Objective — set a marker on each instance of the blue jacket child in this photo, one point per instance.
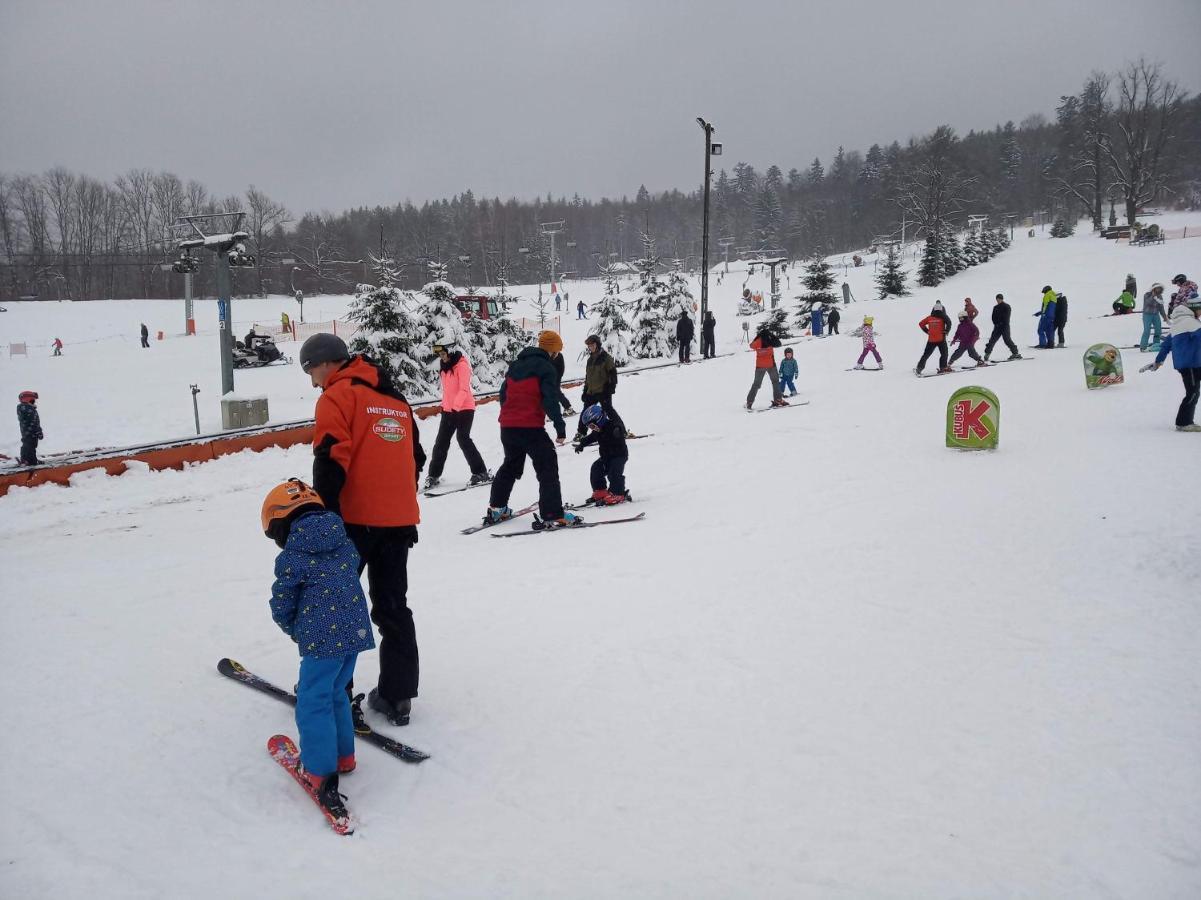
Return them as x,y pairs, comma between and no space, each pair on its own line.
317,601
788,373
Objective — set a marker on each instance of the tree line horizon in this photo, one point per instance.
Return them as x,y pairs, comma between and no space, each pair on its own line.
1123,141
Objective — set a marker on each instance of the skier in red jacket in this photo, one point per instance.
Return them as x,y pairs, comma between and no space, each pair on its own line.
936,325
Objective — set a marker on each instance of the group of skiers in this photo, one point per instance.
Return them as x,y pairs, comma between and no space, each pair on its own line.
686,333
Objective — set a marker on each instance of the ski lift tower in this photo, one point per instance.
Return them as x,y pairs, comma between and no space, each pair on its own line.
976,223
773,260
551,229
221,234
726,243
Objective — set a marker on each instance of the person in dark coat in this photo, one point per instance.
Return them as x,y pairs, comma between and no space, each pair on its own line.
684,332
145,335
31,427
607,475
1061,315
561,367
1000,329
708,344
832,320
600,381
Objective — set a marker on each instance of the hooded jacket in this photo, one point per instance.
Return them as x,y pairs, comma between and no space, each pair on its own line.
366,448
763,345
456,383
30,421
1183,340
707,325
685,329
935,327
970,308
317,599
530,393
967,333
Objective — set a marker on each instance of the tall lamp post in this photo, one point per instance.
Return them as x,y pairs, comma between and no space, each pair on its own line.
711,149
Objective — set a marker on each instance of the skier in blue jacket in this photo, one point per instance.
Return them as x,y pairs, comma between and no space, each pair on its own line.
318,602
788,373
1184,343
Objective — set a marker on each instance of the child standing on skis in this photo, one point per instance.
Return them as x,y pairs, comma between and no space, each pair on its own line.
966,336
936,325
318,602
608,472
867,332
788,373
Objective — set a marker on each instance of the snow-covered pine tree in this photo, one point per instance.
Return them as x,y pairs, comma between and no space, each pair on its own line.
385,331
678,300
1062,228
890,280
1002,238
777,321
438,319
819,284
984,247
612,327
971,249
952,252
650,335
929,270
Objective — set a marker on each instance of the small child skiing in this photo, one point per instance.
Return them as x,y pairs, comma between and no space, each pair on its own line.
788,373
868,333
318,602
608,472
966,336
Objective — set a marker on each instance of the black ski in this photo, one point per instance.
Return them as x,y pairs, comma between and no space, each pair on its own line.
434,492
866,369
237,672
510,534
785,406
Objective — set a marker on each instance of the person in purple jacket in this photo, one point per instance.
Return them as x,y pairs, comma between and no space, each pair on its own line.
966,336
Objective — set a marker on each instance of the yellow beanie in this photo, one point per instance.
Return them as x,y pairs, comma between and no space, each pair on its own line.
550,341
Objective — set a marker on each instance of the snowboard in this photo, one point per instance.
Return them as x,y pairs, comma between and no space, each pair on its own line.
517,513
237,672
284,751
510,534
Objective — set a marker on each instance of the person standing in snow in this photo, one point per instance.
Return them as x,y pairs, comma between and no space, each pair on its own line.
367,462
788,374
764,346
1186,292
317,601
458,413
579,311
966,336
145,336
560,365
1183,341
970,308
1001,313
1046,320
58,347
1061,315
607,475
684,332
708,324
867,332
832,320
600,381
528,397
1153,313
30,424
936,325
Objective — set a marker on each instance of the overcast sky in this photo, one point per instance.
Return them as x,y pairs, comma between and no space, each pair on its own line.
328,105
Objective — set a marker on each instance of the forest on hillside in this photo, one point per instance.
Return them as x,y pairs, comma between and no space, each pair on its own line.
1124,141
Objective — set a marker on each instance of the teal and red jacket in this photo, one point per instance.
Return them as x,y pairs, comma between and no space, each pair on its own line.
530,393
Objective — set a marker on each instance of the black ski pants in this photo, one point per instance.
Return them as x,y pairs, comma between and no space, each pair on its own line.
1192,389
707,342
1059,329
941,347
145,342
685,350
535,443
459,425
612,469
29,451
1000,333
969,349
833,328
384,553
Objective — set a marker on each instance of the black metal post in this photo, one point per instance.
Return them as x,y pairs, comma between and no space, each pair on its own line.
225,322
708,129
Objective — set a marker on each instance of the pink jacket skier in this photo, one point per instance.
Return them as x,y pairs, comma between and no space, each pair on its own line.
868,333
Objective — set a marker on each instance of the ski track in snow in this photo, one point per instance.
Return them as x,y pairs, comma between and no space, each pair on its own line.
835,660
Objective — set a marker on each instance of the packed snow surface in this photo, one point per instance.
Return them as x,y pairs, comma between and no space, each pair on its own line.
836,659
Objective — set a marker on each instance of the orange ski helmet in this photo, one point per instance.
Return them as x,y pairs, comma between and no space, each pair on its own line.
285,499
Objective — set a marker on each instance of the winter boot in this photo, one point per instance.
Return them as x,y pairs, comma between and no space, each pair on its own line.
749,405
945,369
431,482
325,787
780,402
1188,427
612,499
598,496
480,478
397,713
858,365
346,764
1015,356
497,514
568,411
356,715
568,520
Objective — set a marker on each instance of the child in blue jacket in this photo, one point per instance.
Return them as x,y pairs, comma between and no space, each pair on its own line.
1184,343
788,373
318,602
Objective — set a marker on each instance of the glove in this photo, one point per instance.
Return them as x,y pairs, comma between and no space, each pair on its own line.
579,448
408,534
